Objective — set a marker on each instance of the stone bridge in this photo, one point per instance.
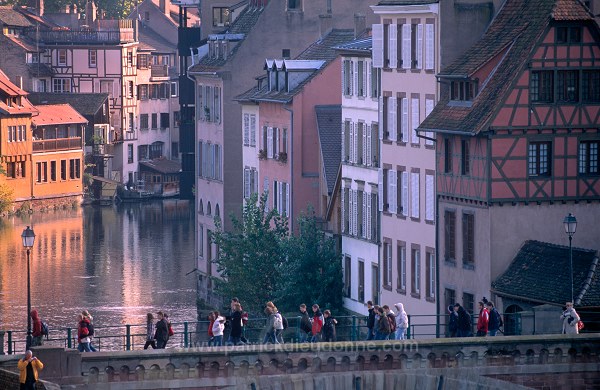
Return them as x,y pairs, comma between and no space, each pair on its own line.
542,362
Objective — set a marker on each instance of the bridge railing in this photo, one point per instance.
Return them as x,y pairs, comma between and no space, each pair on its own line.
195,333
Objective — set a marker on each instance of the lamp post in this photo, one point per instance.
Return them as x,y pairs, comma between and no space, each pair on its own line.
570,223
28,237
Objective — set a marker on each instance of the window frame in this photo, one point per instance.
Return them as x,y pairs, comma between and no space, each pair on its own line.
468,239
92,58
541,86
534,162
587,158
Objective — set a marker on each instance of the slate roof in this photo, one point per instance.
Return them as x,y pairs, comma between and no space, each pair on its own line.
241,25
151,40
40,70
324,49
540,273
12,17
358,46
407,2
329,119
56,114
514,32
162,165
87,104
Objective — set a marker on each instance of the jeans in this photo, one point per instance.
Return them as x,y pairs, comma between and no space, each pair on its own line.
370,334
303,337
492,332
382,336
270,337
233,340
463,333
315,338
161,344
278,336
150,343
401,334
84,347
218,341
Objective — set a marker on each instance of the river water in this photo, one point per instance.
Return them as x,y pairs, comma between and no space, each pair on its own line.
118,262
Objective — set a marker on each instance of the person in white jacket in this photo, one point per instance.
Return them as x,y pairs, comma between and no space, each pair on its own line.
218,327
401,322
570,318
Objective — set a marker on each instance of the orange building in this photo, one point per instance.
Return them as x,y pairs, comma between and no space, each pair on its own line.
57,152
15,138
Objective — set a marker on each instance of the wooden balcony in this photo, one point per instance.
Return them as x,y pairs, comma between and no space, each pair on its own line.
59,144
159,71
107,32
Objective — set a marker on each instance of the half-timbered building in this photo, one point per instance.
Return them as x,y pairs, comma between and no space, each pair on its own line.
517,141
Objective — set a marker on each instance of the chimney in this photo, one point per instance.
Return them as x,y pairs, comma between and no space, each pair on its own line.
325,24
360,24
90,13
329,11
164,7
37,5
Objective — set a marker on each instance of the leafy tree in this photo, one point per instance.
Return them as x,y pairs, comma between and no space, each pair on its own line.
6,197
251,256
313,272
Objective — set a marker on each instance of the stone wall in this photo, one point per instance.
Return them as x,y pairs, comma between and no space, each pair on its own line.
46,204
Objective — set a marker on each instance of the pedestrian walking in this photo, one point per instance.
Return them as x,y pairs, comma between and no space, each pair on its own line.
36,330
452,320
483,320
29,366
401,321
218,328
150,341
235,334
83,334
464,322
495,321
211,321
383,326
317,321
329,324
305,326
86,314
570,319
162,331
370,321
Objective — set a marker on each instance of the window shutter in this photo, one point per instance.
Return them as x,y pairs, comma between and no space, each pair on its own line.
380,189
364,145
253,130
368,80
356,88
364,215
381,114
419,51
393,45
343,209
355,144
392,191
405,193
280,196
429,46
350,212
392,119
368,161
246,183
414,189
368,214
351,154
255,187
404,120
431,275
344,77
246,129
428,109
343,141
287,200
415,120
351,78
364,81
429,197
355,212
406,41
378,45
266,189
269,142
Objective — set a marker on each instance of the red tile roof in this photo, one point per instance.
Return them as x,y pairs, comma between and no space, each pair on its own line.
57,114
10,89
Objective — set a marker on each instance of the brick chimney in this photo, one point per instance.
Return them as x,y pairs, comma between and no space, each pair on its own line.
360,24
164,7
325,24
37,5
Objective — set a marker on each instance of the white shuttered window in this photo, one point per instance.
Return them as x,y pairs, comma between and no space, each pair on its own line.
428,109
404,183
429,197
429,46
414,196
406,46
419,48
392,191
392,121
378,46
393,45
415,120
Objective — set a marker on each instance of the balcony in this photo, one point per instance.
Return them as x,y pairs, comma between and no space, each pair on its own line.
108,32
103,150
159,73
59,144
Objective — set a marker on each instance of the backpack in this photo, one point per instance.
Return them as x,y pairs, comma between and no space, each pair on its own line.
245,318
171,333
498,317
285,322
580,325
278,322
45,329
90,329
392,320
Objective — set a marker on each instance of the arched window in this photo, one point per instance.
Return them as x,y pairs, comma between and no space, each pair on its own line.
217,212
512,320
208,209
201,208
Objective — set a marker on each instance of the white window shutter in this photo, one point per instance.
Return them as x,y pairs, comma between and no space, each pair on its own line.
405,193
414,189
404,120
380,189
344,77
343,141
266,189
368,161
351,78
269,142
246,183
365,78
406,49
351,154
364,215
428,109
343,210
356,88
381,114
378,45
419,51
429,197
429,47
355,146
368,213
415,120
246,129
392,119
287,200
393,45
252,130
255,187
392,192
355,212
364,144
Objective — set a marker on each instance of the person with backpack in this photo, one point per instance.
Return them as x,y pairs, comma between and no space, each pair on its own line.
370,321
464,322
305,326
495,321
401,322
483,320
392,319
270,327
317,321
83,334
383,326
279,325
36,334
86,314
162,331
329,326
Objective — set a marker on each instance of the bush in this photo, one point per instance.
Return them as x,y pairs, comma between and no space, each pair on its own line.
6,197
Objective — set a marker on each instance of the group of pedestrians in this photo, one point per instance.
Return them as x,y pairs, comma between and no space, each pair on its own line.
489,320
157,335
236,320
385,324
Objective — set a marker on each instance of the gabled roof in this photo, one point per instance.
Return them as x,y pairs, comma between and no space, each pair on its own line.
512,36
150,40
87,104
11,17
9,89
40,70
362,46
323,50
162,165
540,273
241,25
57,114
329,119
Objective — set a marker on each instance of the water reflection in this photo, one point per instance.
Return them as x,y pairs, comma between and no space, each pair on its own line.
118,262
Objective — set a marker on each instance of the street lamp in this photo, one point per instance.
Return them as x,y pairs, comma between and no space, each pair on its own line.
570,223
28,237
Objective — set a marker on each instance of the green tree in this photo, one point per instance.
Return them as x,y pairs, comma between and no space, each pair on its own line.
6,197
251,255
313,271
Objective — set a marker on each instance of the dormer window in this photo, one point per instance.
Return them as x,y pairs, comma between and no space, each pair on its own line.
463,90
294,5
570,34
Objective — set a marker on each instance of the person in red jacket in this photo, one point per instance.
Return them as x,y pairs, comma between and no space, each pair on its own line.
317,323
211,336
37,337
483,320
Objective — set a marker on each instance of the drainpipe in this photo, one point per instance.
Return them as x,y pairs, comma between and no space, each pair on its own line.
291,160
